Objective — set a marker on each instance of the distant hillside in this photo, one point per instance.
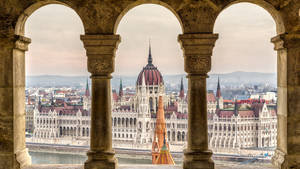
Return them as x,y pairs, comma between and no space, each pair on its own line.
237,78
228,79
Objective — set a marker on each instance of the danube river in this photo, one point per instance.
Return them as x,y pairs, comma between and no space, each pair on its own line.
58,158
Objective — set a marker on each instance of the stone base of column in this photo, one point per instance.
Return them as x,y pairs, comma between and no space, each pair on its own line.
23,158
101,160
284,161
198,160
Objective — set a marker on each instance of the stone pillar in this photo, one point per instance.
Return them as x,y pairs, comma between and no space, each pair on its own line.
287,154
197,50
13,152
100,50
21,152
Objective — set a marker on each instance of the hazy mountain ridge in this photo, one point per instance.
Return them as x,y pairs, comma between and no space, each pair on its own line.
227,79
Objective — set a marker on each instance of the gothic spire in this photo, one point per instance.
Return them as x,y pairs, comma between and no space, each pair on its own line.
149,56
181,93
87,90
121,88
218,94
236,108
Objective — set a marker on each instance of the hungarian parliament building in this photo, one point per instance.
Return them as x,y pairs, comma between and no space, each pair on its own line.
233,125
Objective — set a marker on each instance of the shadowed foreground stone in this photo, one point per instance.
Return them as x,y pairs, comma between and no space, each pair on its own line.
218,166
100,19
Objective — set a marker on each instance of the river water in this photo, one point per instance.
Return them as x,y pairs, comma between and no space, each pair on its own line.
58,158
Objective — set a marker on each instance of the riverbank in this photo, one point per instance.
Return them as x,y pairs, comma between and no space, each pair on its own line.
125,156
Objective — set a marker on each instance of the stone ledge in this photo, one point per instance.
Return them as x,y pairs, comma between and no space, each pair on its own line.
218,166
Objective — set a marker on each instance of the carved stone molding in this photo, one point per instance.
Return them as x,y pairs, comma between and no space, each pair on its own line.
22,43
100,50
101,66
197,49
288,47
278,43
23,158
286,40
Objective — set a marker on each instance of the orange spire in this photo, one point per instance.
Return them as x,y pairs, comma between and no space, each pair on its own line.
159,144
160,123
165,156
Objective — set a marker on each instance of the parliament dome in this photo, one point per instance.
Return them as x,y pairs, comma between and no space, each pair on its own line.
151,74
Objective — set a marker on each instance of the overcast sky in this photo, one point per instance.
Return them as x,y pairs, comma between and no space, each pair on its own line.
244,44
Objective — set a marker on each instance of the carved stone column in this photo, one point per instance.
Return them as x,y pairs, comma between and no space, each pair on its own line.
13,152
101,50
197,63
287,154
21,152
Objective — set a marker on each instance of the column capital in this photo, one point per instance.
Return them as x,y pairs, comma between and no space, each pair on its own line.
197,49
22,42
100,50
286,40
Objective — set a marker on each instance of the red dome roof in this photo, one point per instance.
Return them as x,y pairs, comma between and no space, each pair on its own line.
151,73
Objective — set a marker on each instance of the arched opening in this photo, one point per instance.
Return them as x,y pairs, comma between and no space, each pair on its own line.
149,54
244,53
55,53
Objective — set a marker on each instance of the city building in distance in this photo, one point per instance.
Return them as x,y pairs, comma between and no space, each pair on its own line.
62,116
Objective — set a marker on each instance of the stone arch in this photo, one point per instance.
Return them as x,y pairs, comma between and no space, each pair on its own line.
151,103
83,131
178,136
281,71
20,25
173,136
78,131
127,122
131,122
68,131
60,131
280,26
141,2
123,122
115,121
119,121
19,52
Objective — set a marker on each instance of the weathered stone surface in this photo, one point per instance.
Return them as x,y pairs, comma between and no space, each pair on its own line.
100,19
100,50
218,166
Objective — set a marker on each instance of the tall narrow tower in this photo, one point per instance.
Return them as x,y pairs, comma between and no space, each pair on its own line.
219,96
181,93
121,89
159,143
86,97
144,117
218,93
87,90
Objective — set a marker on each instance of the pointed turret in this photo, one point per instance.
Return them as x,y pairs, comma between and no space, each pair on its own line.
87,90
181,93
236,108
159,135
218,94
164,156
39,105
121,89
52,100
150,55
